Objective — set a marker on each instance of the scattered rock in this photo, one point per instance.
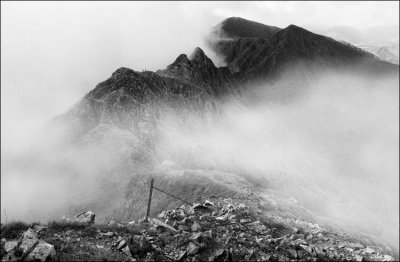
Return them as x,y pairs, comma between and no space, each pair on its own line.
388,258
368,250
126,250
121,244
162,224
355,246
192,249
208,203
113,223
231,236
108,234
196,227
197,236
292,253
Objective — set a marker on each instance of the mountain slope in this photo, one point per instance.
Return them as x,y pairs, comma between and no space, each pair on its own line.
117,128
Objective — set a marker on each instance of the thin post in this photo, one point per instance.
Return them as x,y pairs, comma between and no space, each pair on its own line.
149,203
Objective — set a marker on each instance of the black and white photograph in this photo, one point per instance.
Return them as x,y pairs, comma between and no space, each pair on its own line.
199,131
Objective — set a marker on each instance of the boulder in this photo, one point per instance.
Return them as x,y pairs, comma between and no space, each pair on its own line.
139,247
28,242
42,252
29,248
86,217
10,246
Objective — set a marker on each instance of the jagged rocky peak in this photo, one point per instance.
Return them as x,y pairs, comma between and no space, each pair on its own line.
237,27
196,59
123,71
295,30
181,59
184,65
198,54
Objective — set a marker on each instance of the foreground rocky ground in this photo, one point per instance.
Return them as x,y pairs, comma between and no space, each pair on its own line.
215,229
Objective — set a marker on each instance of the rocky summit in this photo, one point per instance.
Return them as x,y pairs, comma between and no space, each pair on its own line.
214,229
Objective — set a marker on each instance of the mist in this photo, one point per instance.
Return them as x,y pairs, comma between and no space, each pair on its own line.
54,53
335,150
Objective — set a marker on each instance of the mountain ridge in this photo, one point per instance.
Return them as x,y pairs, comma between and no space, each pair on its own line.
136,102
196,79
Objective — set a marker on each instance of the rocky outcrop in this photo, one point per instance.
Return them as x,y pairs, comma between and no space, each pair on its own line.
86,218
233,231
28,248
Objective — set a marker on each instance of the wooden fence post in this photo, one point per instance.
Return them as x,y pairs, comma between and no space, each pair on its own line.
149,203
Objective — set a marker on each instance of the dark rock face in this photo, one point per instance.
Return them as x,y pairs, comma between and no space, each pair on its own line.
237,27
293,46
130,99
253,52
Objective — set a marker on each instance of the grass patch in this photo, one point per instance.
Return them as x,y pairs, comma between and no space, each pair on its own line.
125,230
14,229
66,225
135,230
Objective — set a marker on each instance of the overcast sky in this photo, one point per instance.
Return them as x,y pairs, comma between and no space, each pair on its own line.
53,53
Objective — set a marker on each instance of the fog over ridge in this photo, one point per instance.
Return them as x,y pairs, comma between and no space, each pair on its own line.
331,144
